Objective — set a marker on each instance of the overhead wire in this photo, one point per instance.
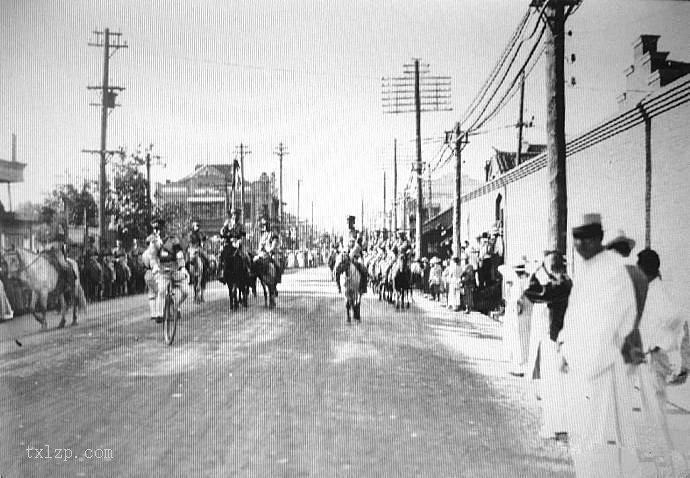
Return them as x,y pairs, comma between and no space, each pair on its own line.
497,67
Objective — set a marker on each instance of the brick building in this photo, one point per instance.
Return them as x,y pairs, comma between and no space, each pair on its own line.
633,168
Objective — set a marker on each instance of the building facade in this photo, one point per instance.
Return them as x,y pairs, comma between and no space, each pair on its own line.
206,196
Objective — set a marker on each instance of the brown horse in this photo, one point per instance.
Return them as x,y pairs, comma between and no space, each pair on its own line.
37,272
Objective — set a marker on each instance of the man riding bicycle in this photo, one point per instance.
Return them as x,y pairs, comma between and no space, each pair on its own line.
269,248
166,263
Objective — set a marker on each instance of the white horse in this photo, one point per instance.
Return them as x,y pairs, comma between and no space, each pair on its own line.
349,284
42,278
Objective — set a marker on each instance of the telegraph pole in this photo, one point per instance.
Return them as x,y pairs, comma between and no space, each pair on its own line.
384,200
521,124
108,96
415,91
555,15
299,182
418,129
395,184
281,152
459,137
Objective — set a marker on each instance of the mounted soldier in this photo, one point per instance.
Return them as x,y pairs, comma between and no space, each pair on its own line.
55,252
269,248
351,253
233,234
197,241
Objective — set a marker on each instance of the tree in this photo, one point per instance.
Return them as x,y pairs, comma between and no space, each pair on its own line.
74,203
127,201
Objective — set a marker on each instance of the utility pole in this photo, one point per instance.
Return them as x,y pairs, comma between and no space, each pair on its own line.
281,152
299,182
149,204
555,16
518,157
311,225
459,138
243,151
415,91
108,97
395,184
384,200
418,129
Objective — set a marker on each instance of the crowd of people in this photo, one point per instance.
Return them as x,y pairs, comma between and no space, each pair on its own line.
568,335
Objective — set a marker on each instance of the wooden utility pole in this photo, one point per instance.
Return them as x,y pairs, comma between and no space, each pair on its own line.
108,96
395,185
521,124
281,152
418,169
299,182
311,226
409,93
555,16
460,138
384,200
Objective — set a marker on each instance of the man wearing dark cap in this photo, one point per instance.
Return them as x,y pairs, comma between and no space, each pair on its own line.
601,312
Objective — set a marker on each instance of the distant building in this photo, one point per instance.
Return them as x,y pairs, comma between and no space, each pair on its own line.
503,161
206,194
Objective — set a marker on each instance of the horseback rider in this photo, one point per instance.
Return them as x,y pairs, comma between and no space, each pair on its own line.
165,259
352,254
269,248
197,240
233,233
55,252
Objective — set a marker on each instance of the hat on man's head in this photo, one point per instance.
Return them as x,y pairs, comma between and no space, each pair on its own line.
619,237
590,226
519,268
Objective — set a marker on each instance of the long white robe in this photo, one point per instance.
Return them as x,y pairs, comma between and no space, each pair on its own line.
661,326
516,321
601,312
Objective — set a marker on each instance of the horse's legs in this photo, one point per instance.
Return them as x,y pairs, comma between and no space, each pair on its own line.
355,308
44,304
347,309
63,308
32,307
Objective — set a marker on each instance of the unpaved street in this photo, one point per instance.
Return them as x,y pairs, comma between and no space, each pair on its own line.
288,392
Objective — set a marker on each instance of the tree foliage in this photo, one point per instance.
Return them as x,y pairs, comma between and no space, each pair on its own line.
127,202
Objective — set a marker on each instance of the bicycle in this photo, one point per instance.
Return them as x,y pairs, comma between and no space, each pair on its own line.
171,314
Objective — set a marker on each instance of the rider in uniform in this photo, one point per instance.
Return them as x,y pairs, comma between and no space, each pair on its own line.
353,253
165,259
120,255
269,247
233,233
197,239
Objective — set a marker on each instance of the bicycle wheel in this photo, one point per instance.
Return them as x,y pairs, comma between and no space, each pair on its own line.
169,319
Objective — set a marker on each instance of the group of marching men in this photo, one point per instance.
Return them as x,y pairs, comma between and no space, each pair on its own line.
164,257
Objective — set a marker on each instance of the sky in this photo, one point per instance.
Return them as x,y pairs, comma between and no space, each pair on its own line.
201,77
